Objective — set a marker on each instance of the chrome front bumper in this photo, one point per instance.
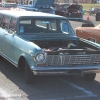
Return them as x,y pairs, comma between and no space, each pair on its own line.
65,71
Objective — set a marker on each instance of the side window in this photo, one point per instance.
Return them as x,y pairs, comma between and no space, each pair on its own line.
5,22
30,3
64,27
12,26
25,26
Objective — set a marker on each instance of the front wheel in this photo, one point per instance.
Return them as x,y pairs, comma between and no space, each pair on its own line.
89,77
1,57
29,76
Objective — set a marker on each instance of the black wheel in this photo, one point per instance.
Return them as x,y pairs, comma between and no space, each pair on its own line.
1,58
88,25
29,76
97,18
89,77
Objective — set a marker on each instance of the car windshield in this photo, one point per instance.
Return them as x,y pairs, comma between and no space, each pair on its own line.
66,6
31,26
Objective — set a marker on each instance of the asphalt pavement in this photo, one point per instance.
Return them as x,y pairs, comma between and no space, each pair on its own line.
78,23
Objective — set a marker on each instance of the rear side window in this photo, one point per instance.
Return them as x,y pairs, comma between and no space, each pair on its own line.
1,16
12,26
25,26
5,22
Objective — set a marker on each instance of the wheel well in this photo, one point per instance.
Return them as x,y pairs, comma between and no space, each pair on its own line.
21,63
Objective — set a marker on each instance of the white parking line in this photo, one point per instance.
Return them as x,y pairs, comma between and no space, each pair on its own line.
4,95
88,93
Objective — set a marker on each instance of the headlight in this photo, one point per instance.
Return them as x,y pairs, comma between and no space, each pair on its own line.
40,57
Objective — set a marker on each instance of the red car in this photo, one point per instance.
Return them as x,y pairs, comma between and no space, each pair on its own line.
89,33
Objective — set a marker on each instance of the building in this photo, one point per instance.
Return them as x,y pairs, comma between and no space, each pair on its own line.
58,1
73,1
82,1
22,1
64,1
3,1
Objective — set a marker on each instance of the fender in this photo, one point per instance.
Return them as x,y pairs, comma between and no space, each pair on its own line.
29,61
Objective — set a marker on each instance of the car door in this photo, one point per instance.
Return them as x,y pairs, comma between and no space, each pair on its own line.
8,40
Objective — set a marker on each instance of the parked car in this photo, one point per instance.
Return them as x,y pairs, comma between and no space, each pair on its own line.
71,11
39,6
94,10
89,33
45,44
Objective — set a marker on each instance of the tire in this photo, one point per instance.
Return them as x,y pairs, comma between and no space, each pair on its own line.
1,58
97,14
97,18
89,77
29,76
88,25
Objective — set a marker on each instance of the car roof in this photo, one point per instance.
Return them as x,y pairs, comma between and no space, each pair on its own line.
22,13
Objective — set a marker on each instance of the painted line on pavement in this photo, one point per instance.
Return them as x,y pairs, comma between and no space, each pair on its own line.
89,93
4,95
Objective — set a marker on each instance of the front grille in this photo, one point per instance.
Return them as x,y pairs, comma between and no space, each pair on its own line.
57,60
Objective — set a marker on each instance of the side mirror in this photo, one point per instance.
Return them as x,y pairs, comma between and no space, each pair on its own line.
12,31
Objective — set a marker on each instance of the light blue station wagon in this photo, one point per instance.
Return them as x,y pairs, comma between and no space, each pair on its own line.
45,44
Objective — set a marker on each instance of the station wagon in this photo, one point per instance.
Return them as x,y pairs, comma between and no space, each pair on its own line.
45,44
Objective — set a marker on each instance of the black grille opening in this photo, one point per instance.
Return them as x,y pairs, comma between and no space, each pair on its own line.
75,71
